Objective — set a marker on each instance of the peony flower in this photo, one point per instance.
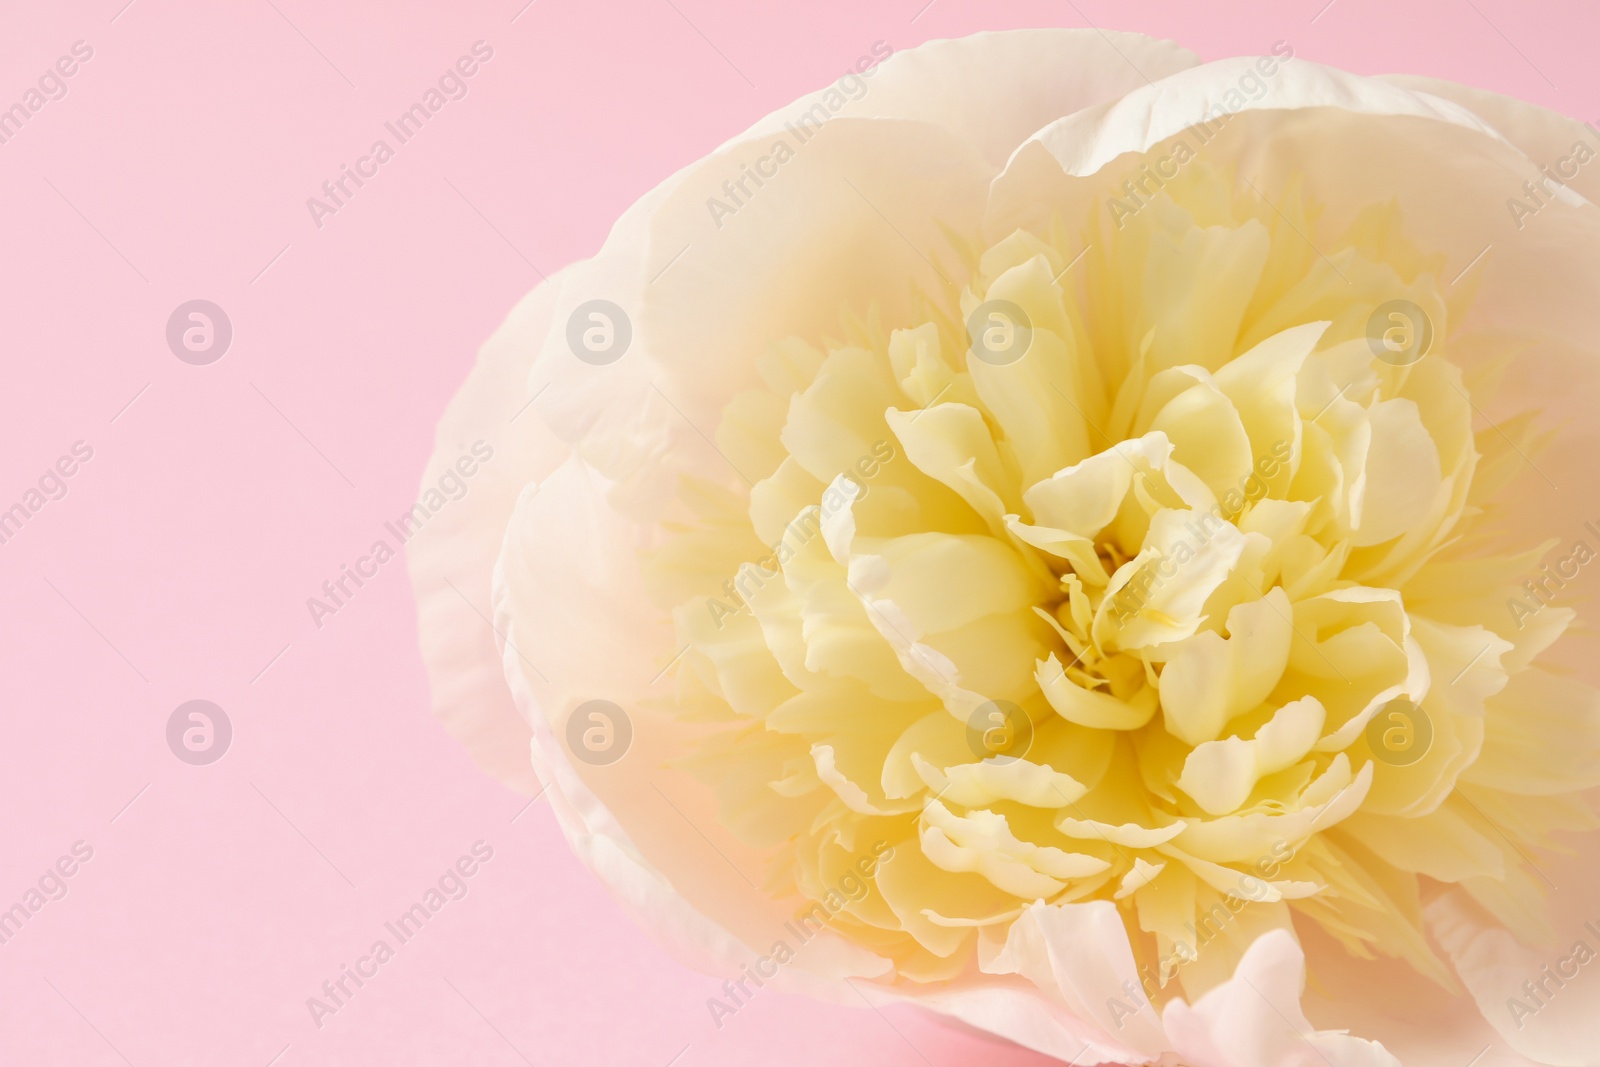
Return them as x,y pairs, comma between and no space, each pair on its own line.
1077,539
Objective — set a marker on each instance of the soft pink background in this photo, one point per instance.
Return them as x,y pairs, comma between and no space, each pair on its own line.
178,565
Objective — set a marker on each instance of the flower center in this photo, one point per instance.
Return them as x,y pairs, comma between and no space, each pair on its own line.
1176,607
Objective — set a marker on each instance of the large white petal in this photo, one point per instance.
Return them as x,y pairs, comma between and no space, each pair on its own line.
452,557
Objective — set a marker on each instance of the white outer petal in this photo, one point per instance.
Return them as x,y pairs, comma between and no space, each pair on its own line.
451,557
1255,1020
1040,75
